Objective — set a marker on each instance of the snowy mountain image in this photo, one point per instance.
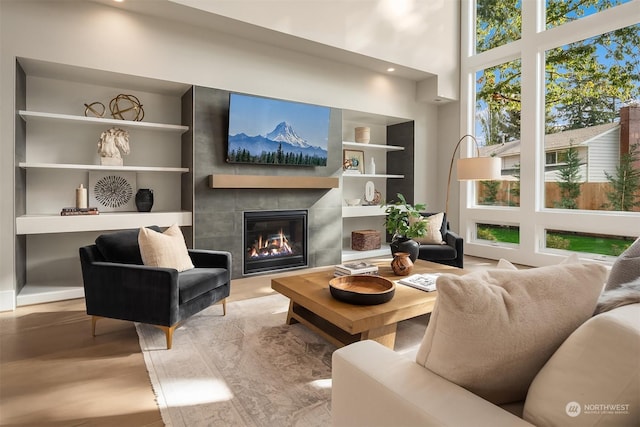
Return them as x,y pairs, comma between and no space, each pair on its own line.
282,145
285,133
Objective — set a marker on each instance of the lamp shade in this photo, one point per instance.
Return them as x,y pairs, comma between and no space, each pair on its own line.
479,168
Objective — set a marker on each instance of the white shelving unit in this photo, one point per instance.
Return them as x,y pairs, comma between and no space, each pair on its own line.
57,151
29,116
366,217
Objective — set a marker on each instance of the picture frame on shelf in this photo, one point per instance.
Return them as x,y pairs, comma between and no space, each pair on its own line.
353,161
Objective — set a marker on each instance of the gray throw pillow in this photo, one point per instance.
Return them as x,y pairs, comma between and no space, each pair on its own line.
626,268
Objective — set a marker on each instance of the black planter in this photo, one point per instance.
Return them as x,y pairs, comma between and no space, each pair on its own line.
404,244
144,200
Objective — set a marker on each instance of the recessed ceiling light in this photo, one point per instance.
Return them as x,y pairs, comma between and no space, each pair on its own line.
391,69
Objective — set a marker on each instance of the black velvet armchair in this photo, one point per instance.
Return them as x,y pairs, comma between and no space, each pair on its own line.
450,253
117,285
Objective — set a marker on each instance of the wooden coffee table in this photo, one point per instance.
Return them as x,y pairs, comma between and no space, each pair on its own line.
341,323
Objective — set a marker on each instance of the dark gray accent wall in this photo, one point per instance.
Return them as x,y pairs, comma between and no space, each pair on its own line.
20,205
186,151
218,213
401,162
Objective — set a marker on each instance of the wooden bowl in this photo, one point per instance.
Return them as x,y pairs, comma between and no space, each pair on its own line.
362,289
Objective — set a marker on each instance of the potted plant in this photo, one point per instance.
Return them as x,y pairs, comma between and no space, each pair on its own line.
399,224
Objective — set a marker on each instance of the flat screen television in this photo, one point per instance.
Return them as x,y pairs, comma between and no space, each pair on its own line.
276,132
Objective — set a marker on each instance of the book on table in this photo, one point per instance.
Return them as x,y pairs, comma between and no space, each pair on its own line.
425,281
355,268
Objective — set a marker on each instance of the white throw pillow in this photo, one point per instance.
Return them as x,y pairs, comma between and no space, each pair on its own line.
432,235
593,378
166,249
491,331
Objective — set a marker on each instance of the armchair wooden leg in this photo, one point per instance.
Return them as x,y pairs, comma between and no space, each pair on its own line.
94,319
168,332
224,307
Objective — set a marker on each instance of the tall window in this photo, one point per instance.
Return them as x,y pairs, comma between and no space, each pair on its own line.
498,23
556,96
560,12
497,129
592,87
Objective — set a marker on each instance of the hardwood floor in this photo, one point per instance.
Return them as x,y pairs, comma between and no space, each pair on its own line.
54,373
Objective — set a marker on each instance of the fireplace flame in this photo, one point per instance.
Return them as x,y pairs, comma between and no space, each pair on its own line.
270,246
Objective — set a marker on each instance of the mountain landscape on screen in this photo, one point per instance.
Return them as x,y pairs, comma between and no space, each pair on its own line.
281,146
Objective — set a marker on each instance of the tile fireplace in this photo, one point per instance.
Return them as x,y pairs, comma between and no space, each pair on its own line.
274,240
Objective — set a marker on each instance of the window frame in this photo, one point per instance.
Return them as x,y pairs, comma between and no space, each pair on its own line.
531,216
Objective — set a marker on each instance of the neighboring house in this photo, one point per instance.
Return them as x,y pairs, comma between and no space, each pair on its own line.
599,148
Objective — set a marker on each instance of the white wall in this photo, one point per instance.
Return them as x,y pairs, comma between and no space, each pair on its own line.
95,36
419,34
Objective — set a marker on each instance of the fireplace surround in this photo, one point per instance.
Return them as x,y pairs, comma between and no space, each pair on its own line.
274,240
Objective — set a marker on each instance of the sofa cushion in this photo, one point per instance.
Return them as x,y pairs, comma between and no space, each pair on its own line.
167,249
596,366
438,252
626,267
433,230
491,331
121,246
197,281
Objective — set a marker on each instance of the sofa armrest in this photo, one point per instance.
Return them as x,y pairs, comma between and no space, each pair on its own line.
131,292
454,240
203,258
374,386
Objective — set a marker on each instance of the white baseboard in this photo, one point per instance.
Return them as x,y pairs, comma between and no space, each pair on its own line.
7,300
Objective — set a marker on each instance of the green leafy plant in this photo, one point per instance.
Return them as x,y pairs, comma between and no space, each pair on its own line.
557,242
486,234
569,181
625,183
398,221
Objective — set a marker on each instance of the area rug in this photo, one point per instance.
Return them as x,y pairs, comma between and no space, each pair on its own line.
247,368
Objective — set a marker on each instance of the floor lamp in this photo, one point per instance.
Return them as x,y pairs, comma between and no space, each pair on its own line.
473,168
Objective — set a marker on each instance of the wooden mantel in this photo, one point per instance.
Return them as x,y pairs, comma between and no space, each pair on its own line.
270,181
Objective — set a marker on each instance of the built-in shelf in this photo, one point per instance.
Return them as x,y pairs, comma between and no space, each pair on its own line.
52,223
372,146
38,293
359,211
368,175
268,181
36,115
32,165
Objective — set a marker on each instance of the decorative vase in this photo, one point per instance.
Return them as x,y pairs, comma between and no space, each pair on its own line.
404,244
401,264
144,200
363,135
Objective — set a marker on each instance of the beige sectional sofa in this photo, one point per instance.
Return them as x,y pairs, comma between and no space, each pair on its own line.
508,347
596,371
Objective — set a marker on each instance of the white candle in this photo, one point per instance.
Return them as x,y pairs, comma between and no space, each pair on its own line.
81,197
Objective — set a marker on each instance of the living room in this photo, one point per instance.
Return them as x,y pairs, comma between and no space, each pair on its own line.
306,56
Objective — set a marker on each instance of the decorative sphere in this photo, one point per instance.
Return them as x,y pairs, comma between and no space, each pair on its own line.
126,107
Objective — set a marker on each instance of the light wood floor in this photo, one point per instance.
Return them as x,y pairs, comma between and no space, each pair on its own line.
54,373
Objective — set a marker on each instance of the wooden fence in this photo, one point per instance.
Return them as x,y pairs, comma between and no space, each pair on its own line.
593,195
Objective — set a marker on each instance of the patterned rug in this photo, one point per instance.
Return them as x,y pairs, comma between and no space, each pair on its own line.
247,368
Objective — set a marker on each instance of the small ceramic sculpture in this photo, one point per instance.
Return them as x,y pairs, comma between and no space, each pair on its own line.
111,143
